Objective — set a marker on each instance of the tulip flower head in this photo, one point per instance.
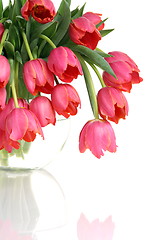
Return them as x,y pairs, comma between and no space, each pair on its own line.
125,69
43,11
21,124
64,64
65,100
82,31
95,230
41,106
37,76
97,136
112,104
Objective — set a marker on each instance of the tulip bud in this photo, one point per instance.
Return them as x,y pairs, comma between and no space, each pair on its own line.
125,69
97,135
42,107
37,76
83,32
112,104
64,64
95,18
65,100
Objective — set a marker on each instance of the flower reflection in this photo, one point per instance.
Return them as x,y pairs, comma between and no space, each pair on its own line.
95,230
8,232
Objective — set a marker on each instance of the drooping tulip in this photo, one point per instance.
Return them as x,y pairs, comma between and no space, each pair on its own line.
65,100
37,76
41,106
112,104
83,32
95,230
97,135
95,18
43,11
21,124
5,71
125,69
64,64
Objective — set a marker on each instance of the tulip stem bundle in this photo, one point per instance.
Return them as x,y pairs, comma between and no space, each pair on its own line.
41,52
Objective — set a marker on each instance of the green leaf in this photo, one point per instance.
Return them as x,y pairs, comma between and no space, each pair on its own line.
100,23
95,58
64,23
106,32
78,13
37,29
14,36
103,54
18,57
16,9
1,8
9,47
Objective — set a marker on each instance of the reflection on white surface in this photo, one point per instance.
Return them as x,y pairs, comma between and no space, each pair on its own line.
30,202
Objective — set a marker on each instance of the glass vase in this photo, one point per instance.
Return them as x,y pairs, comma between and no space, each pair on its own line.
40,152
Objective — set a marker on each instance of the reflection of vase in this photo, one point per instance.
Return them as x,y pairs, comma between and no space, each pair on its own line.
31,201
38,153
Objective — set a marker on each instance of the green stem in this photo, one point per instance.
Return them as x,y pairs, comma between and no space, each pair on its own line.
98,75
3,40
12,81
47,39
27,46
90,86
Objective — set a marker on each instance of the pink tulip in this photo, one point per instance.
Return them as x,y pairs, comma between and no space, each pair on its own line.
37,76
5,71
8,108
83,32
21,124
95,18
42,107
64,64
65,100
97,135
112,104
125,69
95,230
1,30
43,11
3,95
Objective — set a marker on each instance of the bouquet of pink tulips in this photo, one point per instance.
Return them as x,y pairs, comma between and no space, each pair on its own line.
42,50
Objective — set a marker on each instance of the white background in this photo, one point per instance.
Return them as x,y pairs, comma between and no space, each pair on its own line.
126,184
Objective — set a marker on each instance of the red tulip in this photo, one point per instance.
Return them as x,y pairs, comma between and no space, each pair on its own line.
21,124
3,95
37,76
42,107
65,100
97,135
112,104
1,30
83,32
95,230
95,18
125,69
64,64
43,11
5,71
